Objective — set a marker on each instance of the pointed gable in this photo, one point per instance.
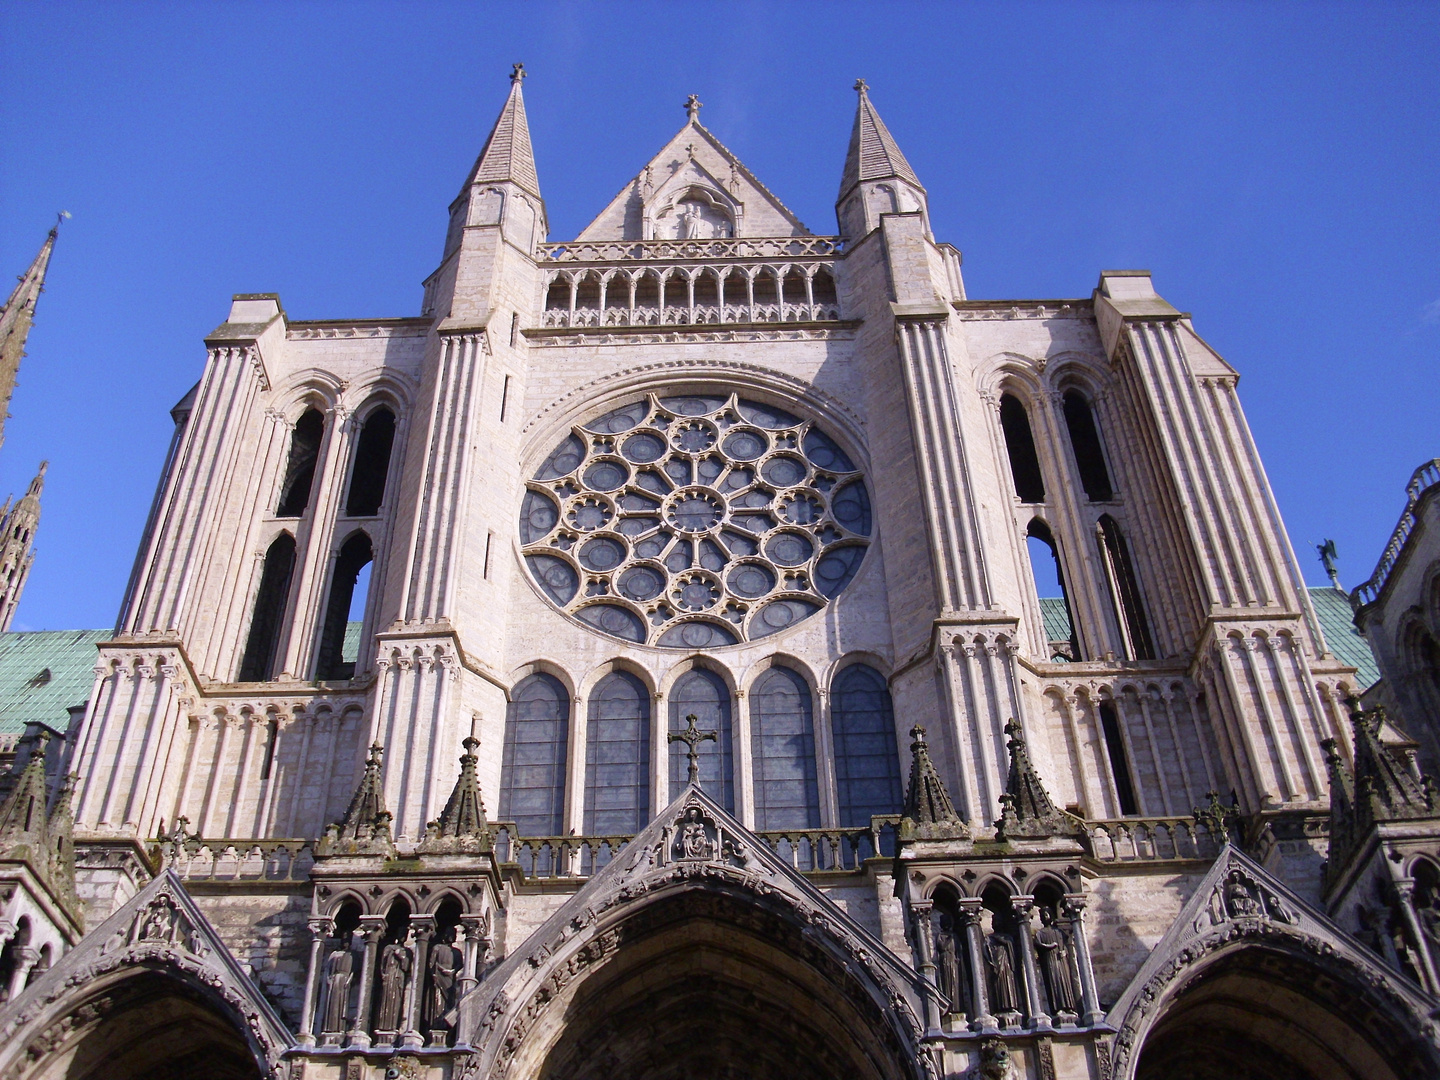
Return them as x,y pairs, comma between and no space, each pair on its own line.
693,188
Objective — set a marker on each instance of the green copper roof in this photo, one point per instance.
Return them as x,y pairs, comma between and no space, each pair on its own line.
43,674
1337,623
1057,619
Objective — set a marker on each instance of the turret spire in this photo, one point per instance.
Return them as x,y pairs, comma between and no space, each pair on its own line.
463,818
507,155
1026,810
17,546
873,153
17,316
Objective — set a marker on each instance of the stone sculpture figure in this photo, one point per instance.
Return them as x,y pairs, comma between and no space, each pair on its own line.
1054,952
949,955
394,975
339,969
1003,994
1239,899
693,841
444,967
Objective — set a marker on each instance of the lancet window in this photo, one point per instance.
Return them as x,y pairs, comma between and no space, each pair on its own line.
300,467
867,768
268,616
1124,590
335,660
704,695
1020,446
782,738
617,757
372,464
532,776
1119,760
1055,608
1085,443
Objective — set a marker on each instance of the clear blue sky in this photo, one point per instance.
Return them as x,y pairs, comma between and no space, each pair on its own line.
1277,166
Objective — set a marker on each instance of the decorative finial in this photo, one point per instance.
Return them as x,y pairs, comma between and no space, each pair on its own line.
861,86
517,74
1328,555
692,108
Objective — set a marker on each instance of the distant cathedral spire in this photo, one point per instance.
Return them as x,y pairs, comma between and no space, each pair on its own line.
16,318
17,546
508,156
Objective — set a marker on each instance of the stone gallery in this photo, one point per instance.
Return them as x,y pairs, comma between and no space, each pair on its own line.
632,667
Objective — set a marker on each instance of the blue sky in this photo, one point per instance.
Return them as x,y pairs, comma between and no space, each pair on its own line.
1277,167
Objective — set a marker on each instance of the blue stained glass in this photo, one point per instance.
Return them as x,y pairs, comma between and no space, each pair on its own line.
836,567
606,475
779,614
538,515
821,449
601,554
703,693
851,507
617,757
744,445
692,405
783,470
564,460
766,416
643,447
782,737
532,766
867,763
613,619
612,423
697,634
556,576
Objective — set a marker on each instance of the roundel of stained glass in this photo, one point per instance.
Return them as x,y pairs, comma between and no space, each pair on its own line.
695,521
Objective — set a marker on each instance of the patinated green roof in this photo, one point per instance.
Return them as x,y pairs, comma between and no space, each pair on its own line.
44,674
1337,623
1057,619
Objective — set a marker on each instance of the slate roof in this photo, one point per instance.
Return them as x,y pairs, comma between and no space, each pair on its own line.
43,674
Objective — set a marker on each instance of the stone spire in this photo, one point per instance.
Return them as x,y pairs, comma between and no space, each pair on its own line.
16,318
32,831
873,153
365,828
464,815
1026,811
929,813
17,543
507,156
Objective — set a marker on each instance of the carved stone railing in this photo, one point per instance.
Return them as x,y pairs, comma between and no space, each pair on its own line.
1422,480
239,860
1127,840
807,850
757,247
688,315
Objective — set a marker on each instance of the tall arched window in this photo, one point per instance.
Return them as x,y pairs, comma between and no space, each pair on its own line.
300,468
372,463
782,737
867,770
1125,590
1085,442
1020,445
617,757
268,617
704,694
532,768
1054,597
355,555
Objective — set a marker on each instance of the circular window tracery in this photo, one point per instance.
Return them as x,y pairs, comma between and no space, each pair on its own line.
695,521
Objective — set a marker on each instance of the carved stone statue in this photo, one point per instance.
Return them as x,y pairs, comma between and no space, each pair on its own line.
1239,899
339,969
394,976
949,956
1001,960
444,967
693,841
1054,952
995,1060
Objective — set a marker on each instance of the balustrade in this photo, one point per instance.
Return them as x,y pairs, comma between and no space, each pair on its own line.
757,247
1421,481
1151,840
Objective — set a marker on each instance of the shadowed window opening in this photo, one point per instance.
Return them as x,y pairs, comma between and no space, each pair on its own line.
703,693
1125,591
1020,445
707,293
1062,641
269,614
1119,764
300,469
867,766
532,769
355,556
782,735
557,297
617,757
1085,442
372,464
822,287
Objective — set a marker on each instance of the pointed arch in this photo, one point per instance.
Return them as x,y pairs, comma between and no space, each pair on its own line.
1086,446
704,694
1124,590
1020,446
532,768
305,440
617,757
371,467
867,763
354,556
267,617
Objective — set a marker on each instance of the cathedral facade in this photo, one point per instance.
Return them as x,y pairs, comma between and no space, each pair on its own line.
632,666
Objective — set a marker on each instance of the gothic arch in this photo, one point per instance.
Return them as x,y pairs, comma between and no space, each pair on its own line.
592,677
875,661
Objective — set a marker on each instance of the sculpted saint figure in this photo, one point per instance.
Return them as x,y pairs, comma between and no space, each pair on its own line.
394,975
1054,952
1003,995
949,956
693,840
339,967
444,968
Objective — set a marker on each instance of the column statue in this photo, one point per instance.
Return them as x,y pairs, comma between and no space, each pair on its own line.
444,965
339,969
949,956
1004,998
1054,953
394,977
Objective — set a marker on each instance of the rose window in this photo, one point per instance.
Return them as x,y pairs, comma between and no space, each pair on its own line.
693,522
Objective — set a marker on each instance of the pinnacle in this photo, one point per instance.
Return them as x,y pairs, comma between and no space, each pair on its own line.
1025,809
508,155
464,813
928,808
873,153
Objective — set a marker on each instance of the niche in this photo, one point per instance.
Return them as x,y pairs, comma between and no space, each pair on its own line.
269,612
1119,763
1085,442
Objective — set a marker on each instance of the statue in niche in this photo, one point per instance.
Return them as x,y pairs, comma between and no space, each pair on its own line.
693,219
1000,958
444,967
1239,898
694,843
949,956
339,969
1054,952
394,976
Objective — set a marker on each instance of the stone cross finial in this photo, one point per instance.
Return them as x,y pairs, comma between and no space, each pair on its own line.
517,73
693,106
693,737
861,86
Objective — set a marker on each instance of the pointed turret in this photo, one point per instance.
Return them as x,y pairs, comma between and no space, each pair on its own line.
1026,811
16,318
507,155
877,179
17,546
365,828
929,813
35,833
463,818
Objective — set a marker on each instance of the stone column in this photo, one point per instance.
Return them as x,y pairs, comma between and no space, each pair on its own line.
1023,906
476,946
1074,907
925,953
320,929
970,909
25,959
1405,897
373,927
422,929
